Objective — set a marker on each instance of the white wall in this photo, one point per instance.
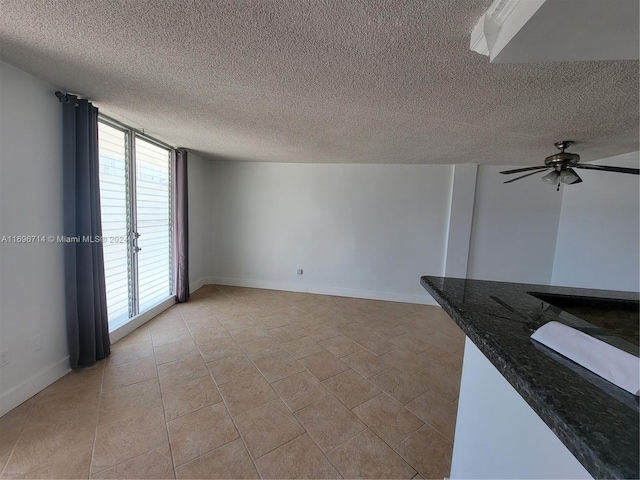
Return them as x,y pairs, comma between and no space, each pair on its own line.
498,435
514,228
31,275
598,240
199,220
367,231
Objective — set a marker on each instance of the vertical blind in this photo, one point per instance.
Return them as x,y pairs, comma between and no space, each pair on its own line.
115,216
153,199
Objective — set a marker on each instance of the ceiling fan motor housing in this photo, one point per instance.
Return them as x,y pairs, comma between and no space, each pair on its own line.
562,160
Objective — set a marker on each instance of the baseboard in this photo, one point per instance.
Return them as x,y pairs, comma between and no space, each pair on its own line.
422,299
193,286
27,389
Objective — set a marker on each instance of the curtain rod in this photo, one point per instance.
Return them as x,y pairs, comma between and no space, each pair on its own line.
65,96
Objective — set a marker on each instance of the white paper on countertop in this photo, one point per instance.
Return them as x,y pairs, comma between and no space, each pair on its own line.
611,363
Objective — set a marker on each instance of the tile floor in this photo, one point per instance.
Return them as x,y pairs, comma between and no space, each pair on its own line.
244,383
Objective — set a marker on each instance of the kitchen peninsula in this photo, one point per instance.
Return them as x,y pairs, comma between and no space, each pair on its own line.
524,410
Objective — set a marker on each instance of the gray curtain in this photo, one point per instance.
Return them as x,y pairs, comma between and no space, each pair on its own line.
86,302
180,227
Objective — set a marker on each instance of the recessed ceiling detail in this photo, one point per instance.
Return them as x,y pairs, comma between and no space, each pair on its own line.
517,31
327,81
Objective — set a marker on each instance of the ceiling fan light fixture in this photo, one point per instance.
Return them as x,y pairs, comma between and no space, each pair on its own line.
568,176
551,178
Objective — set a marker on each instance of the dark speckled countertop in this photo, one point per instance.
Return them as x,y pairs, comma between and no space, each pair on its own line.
596,420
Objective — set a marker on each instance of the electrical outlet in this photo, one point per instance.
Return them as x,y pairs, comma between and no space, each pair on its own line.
299,271
36,342
4,357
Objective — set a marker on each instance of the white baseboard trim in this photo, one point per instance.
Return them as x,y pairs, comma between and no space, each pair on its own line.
140,320
422,299
193,286
27,389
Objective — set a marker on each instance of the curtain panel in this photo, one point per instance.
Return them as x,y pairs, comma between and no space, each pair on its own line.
86,302
180,227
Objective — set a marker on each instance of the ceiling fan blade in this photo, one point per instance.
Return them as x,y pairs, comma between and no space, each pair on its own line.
521,176
518,170
587,166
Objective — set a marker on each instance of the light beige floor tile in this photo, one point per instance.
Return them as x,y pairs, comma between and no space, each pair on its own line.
351,388
189,397
228,369
200,432
284,334
455,360
11,425
268,426
441,379
73,406
437,411
52,451
262,347
249,334
52,435
247,393
129,352
428,451
329,422
445,342
224,347
300,458
203,337
366,363
181,371
119,441
228,461
173,351
174,333
302,347
203,323
376,344
194,309
399,385
408,341
116,376
389,331
238,322
129,400
434,356
272,321
389,419
366,456
154,464
405,360
323,365
340,346
320,332
278,366
300,390
140,334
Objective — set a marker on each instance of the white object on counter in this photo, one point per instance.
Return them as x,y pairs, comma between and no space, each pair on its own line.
611,363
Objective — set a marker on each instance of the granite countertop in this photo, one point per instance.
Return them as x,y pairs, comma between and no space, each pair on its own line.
596,420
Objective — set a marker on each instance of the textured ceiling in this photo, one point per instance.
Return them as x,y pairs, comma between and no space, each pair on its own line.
320,81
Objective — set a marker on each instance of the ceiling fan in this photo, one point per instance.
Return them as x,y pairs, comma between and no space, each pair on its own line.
562,167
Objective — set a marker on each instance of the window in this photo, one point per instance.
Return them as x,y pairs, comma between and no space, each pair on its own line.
135,195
